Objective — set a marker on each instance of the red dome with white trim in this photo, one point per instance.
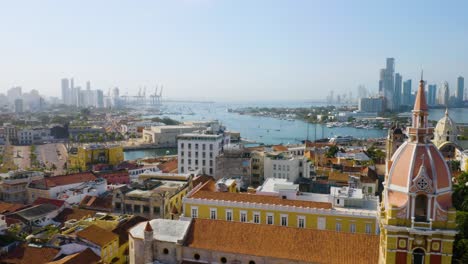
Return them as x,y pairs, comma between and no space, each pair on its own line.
418,167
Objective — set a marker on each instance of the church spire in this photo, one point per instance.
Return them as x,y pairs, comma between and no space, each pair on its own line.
420,104
419,130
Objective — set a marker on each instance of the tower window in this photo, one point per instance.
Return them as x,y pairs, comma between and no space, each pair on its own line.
420,213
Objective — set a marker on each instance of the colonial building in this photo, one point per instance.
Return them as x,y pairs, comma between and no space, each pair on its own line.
417,221
85,156
445,136
218,241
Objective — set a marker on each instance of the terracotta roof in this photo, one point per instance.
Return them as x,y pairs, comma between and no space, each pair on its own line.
201,179
420,102
97,203
97,235
10,207
168,166
41,200
338,176
26,254
108,174
279,148
49,182
86,256
73,213
122,229
307,245
254,198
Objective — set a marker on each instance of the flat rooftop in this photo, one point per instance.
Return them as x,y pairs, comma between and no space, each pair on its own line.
163,230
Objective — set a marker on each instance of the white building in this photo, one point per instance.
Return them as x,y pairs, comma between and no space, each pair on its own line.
55,187
136,128
198,151
165,135
286,166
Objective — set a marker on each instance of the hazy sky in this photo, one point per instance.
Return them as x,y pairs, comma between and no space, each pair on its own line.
221,50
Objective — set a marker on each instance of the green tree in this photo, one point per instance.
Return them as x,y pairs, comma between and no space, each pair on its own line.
331,152
460,202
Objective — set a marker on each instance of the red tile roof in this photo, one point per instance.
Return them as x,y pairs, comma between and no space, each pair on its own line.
168,166
41,200
25,254
97,235
73,213
61,180
97,203
294,244
86,256
279,148
10,207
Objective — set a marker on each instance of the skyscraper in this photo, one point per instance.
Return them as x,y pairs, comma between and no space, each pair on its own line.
431,98
397,91
387,84
460,90
444,94
65,91
406,100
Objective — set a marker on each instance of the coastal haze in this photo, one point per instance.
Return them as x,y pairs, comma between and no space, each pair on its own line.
242,132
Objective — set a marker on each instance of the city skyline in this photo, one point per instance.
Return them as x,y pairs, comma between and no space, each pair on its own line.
290,47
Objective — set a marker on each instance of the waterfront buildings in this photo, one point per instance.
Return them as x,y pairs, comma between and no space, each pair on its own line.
406,97
372,105
197,151
417,220
166,135
84,157
432,95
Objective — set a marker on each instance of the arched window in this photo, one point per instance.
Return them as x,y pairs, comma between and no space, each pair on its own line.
165,251
420,212
223,260
418,256
196,256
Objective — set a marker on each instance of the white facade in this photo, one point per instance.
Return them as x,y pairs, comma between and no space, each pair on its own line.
165,135
33,136
286,167
199,151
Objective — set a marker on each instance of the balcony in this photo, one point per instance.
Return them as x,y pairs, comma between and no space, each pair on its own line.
421,223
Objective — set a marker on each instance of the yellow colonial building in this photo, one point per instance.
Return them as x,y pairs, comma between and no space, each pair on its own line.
85,156
417,218
285,208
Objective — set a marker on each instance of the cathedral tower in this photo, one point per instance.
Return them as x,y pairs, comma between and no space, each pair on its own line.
417,219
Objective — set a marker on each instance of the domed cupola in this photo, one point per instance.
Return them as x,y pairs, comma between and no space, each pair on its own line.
445,131
418,183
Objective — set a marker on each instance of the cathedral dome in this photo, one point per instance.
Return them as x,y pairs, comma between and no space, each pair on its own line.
418,180
418,168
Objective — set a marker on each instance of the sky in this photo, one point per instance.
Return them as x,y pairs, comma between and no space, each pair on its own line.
226,50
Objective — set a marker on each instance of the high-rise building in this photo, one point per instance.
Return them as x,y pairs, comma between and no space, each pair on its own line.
14,93
397,91
371,105
406,100
387,84
381,82
444,94
460,90
65,91
431,99
19,105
